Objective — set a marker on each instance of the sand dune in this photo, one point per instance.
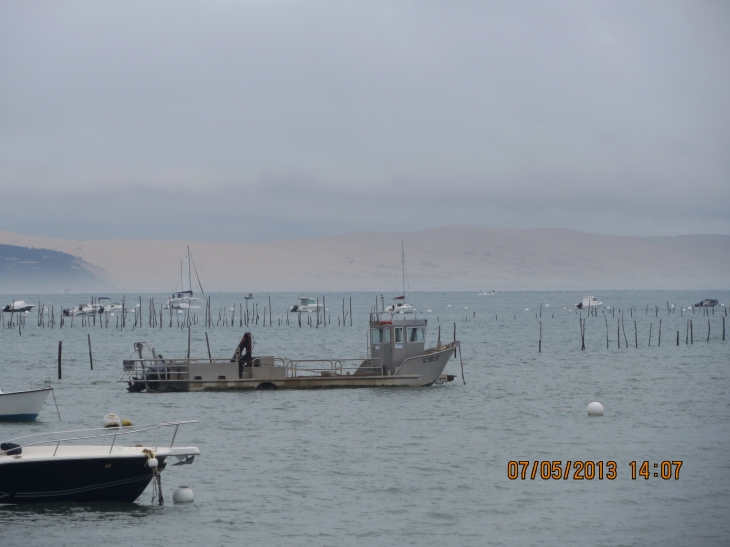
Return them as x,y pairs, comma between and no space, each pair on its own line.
446,258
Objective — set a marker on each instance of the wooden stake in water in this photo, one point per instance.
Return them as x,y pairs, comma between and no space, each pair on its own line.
91,359
60,347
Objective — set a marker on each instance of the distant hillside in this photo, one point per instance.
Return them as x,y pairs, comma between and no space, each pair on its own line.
445,258
23,270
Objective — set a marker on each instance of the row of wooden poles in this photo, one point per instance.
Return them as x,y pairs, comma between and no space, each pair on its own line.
46,316
621,329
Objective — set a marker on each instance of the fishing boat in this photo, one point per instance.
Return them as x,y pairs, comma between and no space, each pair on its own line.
182,298
397,356
18,306
306,304
708,303
24,406
248,296
399,305
588,302
65,466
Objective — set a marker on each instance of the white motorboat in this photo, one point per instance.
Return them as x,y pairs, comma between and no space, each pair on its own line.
91,308
183,298
400,305
24,406
17,306
56,467
108,306
397,357
485,293
306,304
588,302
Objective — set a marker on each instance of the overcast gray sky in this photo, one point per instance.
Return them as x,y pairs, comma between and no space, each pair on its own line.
255,120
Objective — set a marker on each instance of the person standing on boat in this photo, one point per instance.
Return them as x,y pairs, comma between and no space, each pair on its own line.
244,359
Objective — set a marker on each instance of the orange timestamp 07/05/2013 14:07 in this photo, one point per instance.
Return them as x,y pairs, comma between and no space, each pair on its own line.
589,470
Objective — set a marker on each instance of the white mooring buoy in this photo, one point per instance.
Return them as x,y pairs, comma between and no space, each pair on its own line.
111,420
183,494
595,409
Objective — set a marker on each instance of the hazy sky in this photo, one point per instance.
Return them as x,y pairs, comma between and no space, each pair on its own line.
255,120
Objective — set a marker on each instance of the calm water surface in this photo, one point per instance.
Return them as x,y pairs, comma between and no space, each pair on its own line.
410,466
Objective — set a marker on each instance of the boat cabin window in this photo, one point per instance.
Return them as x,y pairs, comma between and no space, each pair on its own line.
416,334
380,336
398,335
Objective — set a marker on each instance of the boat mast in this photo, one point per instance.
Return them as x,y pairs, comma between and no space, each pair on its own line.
190,279
403,264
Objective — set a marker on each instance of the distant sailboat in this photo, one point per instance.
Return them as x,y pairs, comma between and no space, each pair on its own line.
183,298
400,305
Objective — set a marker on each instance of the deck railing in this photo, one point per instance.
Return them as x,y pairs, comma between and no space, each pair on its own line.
102,433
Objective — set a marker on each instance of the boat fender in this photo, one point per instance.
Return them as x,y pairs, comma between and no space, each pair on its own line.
11,449
385,322
151,459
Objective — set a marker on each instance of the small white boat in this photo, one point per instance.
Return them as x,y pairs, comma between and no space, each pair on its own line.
588,302
17,306
400,307
248,296
306,304
485,293
53,467
24,406
84,309
183,298
109,307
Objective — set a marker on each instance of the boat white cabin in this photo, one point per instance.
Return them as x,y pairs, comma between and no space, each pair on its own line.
306,304
588,302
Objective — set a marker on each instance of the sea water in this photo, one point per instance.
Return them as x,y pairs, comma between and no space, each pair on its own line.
408,466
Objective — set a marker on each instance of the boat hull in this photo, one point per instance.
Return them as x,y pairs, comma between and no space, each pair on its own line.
102,479
23,406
